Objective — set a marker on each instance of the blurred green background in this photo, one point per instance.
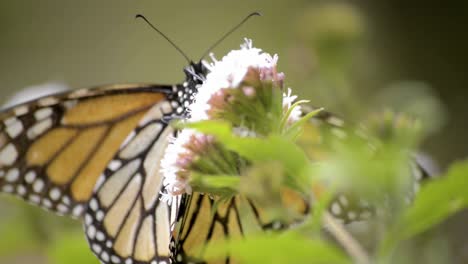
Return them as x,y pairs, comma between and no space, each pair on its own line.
351,57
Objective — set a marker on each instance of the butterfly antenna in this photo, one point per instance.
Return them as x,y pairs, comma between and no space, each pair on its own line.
164,36
229,32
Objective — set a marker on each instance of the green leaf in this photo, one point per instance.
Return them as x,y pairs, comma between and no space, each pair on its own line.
277,249
272,148
221,129
223,185
217,181
436,201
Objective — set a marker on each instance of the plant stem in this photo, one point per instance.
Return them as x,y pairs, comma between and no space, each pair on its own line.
345,239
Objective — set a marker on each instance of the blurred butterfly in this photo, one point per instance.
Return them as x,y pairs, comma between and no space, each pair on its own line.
202,218
94,154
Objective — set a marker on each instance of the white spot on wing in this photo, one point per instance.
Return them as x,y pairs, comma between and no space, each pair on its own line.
88,219
99,215
91,232
15,128
34,198
100,236
10,121
105,257
21,110
47,203
62,208
47,101
38,185
30,176
96,248
77,210
78,93
115,259
66,200
55,194
12,175
43,113
21,190
93,204
114,165
8,155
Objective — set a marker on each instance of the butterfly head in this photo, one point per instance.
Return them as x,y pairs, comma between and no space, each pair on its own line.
195,76
184,94
195,73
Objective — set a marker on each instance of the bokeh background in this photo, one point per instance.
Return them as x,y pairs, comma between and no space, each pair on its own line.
351,57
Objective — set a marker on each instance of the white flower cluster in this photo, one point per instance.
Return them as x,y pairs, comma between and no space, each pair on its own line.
169,167
227,73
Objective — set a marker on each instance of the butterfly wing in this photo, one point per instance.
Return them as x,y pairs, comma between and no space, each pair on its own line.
52,150
204,220
200,223
348,207
126,221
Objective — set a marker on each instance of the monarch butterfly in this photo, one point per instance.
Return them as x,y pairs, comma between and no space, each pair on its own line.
93,154
65,153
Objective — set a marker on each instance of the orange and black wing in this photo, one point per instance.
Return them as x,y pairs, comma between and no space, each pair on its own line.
204,220
126,221
201,221
52,150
